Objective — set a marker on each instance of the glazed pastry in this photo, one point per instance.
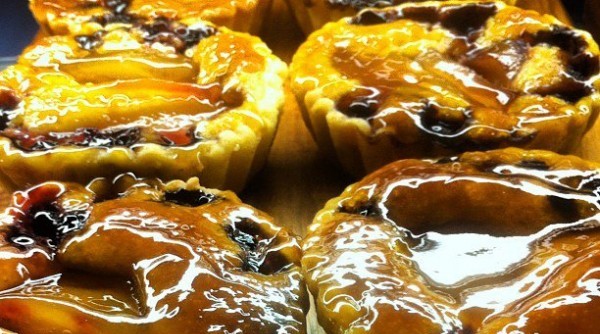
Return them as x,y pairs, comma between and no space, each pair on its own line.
313,14
434,79
500,242
86,16
162,100
135,256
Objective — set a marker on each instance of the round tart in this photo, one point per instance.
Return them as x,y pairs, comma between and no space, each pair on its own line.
161,100
86,16
135,256
438,78
313,14
500,242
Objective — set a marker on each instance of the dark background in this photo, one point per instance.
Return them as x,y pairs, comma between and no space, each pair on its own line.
17,26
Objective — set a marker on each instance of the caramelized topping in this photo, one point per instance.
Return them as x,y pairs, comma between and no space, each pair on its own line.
466,19
127,264
499,63
82,137
581,65
90,42
444,124
359,4
157,30
256,246
461,19
176,34
118,12
362,103
439,78
190,198
42,220
480,243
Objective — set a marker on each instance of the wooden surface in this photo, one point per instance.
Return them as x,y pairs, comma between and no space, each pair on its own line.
297,180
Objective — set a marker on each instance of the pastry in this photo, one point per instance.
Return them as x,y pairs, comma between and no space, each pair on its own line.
86,16
313,14
438,78
162,99
134,256
504,241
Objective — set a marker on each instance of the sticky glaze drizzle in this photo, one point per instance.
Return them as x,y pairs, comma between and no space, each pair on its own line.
152,260
479,244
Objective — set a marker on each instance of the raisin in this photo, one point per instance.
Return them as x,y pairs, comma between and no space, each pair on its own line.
177,35
466,19
255,245
190,198
434,121
534,164
90,42
44,223
361,103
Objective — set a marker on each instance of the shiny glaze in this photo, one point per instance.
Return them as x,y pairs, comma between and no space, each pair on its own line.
148,258
73,16
313,14
434,79
159,98
501,242
361,4
120,80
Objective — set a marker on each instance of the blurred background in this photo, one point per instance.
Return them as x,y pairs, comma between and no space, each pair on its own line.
17,27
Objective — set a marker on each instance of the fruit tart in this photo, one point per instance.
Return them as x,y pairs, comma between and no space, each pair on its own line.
86,16
162,99
313,14
504,241
439,78
140,256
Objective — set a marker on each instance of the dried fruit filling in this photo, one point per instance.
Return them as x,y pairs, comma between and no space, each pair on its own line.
466,60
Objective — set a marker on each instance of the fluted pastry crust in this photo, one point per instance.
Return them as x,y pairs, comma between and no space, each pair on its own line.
161,99
436,78
86,16
500,242
133,256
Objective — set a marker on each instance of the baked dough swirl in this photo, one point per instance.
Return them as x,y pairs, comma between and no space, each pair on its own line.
135,256
505,241
158,98
436,78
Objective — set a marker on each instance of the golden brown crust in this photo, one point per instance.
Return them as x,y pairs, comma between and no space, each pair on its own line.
161,99
134,256
432,79
83,16
482,243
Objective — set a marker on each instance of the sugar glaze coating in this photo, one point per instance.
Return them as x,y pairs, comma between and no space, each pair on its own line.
499,242
143,257
159,98
439,78
82,16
